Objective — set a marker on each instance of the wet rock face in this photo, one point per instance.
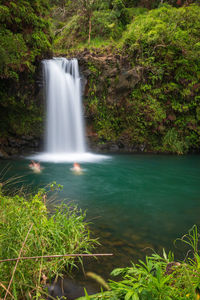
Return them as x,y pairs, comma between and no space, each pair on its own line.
22,124
128,79
14,146
114,70
108,80
114,147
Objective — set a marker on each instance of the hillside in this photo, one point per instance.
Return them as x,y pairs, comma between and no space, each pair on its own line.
140,66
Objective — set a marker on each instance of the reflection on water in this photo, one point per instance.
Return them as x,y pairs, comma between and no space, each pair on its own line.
134,202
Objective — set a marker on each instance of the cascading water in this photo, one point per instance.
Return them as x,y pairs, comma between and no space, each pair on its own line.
64,128
64,132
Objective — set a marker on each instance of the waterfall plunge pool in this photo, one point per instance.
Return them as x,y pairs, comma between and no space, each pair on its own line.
132,201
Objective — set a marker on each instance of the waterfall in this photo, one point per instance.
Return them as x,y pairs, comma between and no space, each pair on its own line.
64,122
64,127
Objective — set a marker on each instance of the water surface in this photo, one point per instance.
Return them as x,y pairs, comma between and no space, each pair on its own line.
133,201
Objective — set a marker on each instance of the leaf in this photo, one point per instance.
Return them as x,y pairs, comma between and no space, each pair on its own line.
129,295
117,271
86,294
135,297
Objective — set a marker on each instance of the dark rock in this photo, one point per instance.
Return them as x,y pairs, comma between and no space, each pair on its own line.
68,289
29,138
55,291
23,142
142,147
100,55
13,151
112,72
171,267
117,56
15,146
35,143
128,79
114,148
87,73
3,154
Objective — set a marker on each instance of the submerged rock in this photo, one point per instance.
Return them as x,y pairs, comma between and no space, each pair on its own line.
70,289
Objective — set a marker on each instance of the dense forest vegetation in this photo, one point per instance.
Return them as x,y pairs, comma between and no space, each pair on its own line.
25,39
140,60
140,71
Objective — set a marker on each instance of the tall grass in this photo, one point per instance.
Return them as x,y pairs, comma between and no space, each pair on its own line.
61,232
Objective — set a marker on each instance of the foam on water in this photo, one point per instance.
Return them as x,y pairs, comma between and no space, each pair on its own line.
69,157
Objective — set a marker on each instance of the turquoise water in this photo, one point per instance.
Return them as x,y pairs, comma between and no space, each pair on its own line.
133,201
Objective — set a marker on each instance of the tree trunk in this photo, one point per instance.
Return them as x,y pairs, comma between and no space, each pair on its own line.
90,28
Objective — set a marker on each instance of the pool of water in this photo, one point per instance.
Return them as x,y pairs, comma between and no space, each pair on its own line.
134,202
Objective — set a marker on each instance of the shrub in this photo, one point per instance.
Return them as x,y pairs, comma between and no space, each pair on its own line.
25,39
159,277
61,232
165,42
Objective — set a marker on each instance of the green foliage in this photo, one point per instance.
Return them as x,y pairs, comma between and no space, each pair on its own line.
159,277
105,26
108,20
172,142
164,43
24,40
24,36
13,51
162,112
120,11
61,232
70,34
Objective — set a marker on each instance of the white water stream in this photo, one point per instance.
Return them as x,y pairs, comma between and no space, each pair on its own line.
64,128
64,132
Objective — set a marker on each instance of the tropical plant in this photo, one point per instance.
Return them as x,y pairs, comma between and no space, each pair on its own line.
25,39
159,277
28,229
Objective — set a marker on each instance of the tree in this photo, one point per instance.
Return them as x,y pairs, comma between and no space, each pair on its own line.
87,8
